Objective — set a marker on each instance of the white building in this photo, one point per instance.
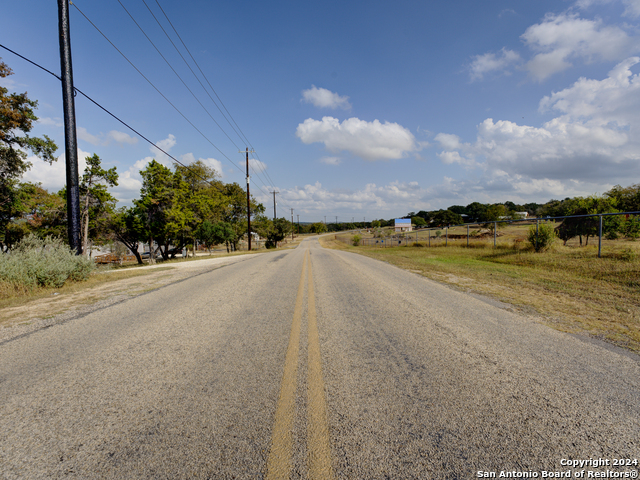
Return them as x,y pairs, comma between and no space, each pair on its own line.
403,225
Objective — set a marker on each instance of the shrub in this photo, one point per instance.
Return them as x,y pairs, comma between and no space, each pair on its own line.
628,255
35,262
545,237
355,240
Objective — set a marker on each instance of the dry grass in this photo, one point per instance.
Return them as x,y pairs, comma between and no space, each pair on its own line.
571,287
12,295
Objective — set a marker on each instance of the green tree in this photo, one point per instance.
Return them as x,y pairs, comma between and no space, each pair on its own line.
95,198
493,213
625,199
16,121
476,211
418,221
212,234
128,226
235,211
156,197
318,227
445,218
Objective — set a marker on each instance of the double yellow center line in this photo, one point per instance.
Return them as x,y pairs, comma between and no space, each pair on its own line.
279,463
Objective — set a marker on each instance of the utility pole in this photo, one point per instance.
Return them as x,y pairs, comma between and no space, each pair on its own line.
248,203
70,140
298,224
274,204
292,224
336,219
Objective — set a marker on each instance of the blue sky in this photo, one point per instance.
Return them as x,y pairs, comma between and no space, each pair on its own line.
356,109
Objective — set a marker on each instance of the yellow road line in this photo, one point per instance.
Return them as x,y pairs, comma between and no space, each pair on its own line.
279,462
318,444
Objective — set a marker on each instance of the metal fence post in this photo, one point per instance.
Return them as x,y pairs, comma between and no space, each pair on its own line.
467,235
537,224
600,239
446,236
429,232
495,232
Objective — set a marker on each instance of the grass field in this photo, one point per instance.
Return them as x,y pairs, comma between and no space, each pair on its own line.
569,286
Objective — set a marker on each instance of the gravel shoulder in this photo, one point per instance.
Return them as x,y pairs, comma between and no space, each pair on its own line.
58,308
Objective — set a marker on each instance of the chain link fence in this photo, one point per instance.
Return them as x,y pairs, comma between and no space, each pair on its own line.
610,225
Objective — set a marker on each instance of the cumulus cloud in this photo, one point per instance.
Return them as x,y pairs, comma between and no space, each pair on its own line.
82,134
632,7
593,140
331,160
368,140
167,144
257,165
313,200
323,98
561,38
50,122
121,137
493,62
53,177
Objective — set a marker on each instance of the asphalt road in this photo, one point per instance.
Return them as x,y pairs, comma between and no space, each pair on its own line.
311,363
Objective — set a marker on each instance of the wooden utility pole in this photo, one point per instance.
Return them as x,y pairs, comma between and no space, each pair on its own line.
70,140
248,203
274,204
292,224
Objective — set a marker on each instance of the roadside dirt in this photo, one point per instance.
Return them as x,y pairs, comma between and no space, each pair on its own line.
61,307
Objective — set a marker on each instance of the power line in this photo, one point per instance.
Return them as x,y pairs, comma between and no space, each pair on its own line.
173,69
113,115
157,90
210,86
205,77
187,64
168,101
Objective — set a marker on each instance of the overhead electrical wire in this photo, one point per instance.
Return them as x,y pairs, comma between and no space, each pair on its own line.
176,73
157,90
210,86
114,116
203,75
189,66
168,101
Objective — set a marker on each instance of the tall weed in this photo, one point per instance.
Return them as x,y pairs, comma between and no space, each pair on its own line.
36,262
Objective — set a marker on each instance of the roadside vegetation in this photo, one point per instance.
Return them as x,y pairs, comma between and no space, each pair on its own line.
570,287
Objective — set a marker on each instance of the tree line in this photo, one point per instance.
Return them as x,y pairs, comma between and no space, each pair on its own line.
184,204
176,207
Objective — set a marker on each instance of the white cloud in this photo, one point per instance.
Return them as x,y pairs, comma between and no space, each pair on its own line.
53,177
492,62
331,160
50,122
121,137
560,38
632,7
448,141
215,164
257,166
167,144
368,140
323,98
313,201
594,140
82,134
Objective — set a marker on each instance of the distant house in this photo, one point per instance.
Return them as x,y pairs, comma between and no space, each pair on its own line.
521,215
403,225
